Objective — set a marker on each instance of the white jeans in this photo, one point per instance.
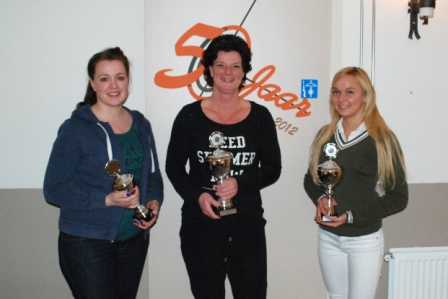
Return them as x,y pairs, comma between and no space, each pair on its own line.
351,266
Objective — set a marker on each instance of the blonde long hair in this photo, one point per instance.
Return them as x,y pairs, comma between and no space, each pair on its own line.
390,155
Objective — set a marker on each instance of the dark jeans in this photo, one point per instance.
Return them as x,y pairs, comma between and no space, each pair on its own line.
234,246
99,269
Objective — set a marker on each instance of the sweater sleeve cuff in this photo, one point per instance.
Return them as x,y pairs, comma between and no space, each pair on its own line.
322,196
349,217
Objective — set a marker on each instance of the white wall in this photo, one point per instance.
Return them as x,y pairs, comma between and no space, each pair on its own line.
45,46
410,76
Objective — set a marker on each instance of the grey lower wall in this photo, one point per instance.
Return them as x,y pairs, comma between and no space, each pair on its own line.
28,240
423,223
29,265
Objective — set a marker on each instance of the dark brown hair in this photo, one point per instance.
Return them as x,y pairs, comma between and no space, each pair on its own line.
226,43
108,54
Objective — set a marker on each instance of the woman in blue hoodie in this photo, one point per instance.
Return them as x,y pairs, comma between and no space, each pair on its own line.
102,247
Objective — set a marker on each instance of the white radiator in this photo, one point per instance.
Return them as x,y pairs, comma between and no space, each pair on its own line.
418,273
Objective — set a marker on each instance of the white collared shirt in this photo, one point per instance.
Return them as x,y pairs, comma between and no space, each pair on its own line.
353,134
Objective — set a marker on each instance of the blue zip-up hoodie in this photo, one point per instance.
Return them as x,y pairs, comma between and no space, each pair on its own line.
76,180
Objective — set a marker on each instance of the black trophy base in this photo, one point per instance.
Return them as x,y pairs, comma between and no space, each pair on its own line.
144,218
225,211
142,213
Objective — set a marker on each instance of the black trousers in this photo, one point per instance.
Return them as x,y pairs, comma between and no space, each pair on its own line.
234,246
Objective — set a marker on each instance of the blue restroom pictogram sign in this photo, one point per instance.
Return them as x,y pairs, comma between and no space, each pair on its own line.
309,88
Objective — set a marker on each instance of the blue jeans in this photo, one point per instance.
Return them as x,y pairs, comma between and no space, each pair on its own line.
233,246
100,269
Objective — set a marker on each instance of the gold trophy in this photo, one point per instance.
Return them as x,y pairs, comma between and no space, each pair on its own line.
124,182
329,174
220,164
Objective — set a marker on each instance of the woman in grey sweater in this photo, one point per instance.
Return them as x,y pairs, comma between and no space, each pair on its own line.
372,186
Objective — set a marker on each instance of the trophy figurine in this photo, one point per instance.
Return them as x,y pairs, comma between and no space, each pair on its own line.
124,182
220,164
329,174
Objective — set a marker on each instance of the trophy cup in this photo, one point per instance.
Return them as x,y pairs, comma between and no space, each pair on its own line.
220,163
329,174
124,182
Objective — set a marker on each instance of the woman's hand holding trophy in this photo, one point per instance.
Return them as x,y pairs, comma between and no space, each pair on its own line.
220,164
124,182
329,174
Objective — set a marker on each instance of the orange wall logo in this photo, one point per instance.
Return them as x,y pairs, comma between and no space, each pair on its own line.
258,85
